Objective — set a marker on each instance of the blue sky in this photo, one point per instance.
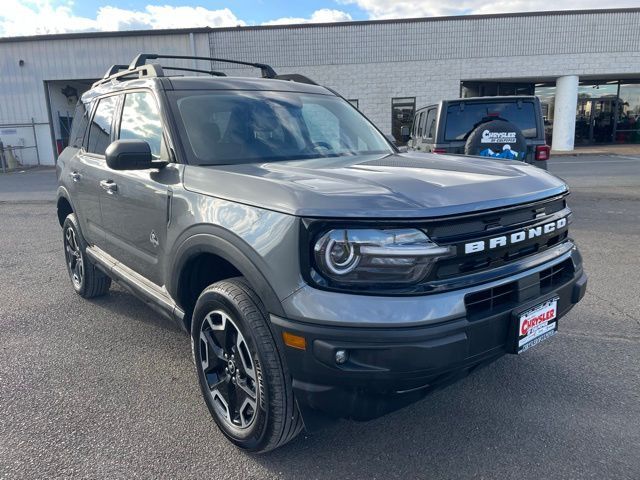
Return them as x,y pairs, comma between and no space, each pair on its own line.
32,17
251,11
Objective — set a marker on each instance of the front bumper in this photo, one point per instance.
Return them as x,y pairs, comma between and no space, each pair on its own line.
390,367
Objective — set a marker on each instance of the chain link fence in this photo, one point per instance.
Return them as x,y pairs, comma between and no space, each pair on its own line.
18,146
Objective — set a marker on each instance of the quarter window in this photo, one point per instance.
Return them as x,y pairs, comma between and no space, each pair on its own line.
100,131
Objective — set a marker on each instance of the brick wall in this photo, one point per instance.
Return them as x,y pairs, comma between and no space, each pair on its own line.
427,59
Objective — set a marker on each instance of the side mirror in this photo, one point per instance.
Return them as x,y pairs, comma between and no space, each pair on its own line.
129,155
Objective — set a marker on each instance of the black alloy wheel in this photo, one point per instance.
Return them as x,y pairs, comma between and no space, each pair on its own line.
229,370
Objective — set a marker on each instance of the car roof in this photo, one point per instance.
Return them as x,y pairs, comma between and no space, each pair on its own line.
504,98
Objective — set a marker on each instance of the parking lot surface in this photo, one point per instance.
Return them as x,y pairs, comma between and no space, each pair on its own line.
106,389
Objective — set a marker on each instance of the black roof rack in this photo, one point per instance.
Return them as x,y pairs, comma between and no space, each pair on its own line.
141,59
140,68
141,72
295,77
114,69
210,72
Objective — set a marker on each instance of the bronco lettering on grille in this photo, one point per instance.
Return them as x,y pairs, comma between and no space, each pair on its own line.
516,237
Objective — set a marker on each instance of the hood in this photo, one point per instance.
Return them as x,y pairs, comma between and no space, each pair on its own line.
405,185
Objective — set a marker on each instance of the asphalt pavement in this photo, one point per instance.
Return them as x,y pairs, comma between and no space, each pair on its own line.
106,389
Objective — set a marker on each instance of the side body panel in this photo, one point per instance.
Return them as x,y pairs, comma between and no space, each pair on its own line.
260,243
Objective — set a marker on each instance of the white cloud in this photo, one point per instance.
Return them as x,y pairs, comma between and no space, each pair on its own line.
32,17
383,9
324,15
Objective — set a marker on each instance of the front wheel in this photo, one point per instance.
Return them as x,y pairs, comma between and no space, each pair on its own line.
242,375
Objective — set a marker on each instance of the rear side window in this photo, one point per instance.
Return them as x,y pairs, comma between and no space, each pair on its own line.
418,130
462,120
80,122
141,121
100,130
430,127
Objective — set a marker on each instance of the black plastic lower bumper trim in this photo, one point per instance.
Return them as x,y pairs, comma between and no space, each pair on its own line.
388,368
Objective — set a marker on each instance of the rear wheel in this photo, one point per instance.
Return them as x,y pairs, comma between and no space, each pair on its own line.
86,279
242,375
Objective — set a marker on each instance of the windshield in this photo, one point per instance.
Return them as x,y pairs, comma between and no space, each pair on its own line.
461,121
231,127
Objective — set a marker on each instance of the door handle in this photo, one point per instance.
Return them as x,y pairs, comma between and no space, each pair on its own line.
109,186
75,176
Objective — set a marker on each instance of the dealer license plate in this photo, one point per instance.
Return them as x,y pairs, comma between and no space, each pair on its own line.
537,324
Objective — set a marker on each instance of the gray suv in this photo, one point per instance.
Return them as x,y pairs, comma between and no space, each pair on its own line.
320,272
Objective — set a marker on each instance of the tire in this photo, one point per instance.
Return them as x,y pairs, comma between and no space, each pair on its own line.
497,139
242,374
86,279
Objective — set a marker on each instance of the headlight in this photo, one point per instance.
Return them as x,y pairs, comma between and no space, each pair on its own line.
357,256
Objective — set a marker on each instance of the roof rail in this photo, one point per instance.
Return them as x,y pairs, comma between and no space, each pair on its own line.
114,69
295,77
141,59
141,69
210,72
150,70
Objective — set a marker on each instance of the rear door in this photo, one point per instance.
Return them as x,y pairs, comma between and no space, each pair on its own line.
135,207
88,169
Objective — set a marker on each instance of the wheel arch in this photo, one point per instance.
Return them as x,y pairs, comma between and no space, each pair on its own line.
235,257
64,205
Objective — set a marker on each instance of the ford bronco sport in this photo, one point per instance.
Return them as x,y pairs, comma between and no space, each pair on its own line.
509,128
320,272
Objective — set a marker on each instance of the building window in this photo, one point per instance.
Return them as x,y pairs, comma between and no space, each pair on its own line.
402,110
628,121
595,112
353,101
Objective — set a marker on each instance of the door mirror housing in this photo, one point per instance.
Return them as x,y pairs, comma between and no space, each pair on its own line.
131,154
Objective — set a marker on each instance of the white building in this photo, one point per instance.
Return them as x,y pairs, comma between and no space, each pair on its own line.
585,66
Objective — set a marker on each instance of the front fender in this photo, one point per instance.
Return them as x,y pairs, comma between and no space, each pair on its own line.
220,242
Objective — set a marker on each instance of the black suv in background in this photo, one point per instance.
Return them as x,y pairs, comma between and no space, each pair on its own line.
500,127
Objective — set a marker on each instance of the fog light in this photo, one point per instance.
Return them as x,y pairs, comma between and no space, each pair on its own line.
341,357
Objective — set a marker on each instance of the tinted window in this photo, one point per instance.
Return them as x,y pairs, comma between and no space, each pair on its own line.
461,121
225,127
419,122
141,120
429,130
80,122
100,131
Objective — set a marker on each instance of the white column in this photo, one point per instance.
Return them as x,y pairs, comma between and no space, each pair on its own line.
564,114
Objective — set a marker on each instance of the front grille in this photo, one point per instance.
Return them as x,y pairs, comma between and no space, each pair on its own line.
504,297
478,224
484,226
